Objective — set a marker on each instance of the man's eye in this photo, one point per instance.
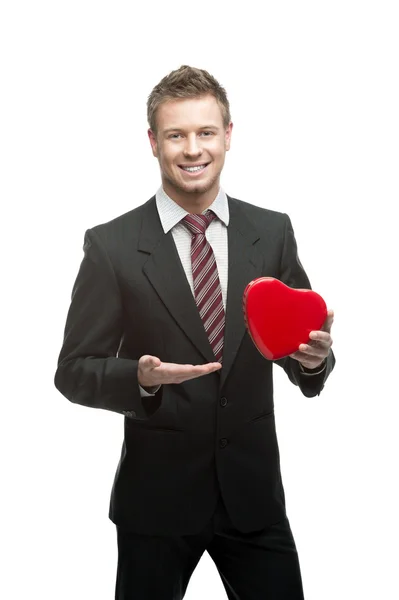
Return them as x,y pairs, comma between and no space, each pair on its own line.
207,133
174,136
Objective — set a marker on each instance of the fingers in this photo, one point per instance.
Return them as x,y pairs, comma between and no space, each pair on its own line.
321,338
185,372
152,371
318,346
305,359
187,369
308,360
308,351
329,321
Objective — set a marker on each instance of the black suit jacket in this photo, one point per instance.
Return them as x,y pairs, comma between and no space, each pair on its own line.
191,440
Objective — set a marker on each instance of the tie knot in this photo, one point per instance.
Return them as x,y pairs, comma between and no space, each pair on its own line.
198,223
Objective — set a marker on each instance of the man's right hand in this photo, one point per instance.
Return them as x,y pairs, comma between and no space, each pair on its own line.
153,372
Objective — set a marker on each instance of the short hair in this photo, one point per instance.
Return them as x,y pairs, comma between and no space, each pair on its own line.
186,82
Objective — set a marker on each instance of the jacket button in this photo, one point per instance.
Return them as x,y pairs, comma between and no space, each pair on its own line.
223,401
223,443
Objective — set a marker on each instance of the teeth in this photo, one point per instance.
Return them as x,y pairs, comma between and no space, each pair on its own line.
192,169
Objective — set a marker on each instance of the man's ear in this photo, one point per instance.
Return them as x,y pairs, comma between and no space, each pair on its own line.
227,138
153,141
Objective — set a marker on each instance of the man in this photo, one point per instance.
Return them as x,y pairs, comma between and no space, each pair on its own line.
156,332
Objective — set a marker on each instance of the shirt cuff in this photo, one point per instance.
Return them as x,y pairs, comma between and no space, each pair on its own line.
311,372
151,390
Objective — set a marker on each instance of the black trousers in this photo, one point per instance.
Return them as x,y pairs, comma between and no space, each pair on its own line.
253,566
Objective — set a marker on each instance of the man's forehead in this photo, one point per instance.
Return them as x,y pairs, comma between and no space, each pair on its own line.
182,111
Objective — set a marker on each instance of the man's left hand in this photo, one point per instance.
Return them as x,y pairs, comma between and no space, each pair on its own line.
314,353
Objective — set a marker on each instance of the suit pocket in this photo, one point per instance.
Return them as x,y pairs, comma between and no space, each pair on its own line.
152,425
263,415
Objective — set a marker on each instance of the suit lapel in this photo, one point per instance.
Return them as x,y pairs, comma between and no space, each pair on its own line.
166,274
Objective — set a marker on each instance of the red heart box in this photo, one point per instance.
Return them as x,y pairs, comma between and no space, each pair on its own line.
279,318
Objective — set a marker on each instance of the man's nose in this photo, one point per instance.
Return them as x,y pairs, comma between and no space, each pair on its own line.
192,147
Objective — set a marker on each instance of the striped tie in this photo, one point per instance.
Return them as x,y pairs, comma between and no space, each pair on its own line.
207,290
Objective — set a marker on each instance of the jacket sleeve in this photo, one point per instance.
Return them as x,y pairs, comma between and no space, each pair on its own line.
293,274
89,371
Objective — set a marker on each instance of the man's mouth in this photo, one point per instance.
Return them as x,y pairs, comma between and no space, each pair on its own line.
193,168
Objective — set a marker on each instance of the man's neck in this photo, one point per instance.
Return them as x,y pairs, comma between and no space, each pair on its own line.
192,203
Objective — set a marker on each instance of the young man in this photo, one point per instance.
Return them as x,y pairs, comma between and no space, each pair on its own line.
156,332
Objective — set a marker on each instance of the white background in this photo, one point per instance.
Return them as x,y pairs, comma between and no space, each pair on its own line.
313,88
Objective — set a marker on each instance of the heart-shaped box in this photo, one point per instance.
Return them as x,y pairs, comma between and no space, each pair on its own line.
280,318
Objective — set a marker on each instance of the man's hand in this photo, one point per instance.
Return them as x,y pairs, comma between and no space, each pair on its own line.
313,354
153,372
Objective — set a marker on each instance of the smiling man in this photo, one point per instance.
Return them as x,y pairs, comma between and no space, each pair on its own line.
156,332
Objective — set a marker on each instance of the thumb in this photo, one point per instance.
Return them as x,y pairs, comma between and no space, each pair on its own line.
329,321
148,362
153,362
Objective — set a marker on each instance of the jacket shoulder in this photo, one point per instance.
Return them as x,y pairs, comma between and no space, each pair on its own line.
259,215
128,223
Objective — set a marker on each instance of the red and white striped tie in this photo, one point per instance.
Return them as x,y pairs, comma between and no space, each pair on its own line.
207,290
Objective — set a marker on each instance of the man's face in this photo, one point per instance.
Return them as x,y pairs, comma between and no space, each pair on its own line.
190,144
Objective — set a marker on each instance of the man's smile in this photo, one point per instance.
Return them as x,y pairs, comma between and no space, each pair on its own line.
194,169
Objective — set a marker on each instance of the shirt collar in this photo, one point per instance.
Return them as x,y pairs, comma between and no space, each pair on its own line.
170,213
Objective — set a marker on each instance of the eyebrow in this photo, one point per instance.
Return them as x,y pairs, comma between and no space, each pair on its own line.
170,129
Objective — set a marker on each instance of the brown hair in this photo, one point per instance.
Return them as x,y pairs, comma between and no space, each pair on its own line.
186,82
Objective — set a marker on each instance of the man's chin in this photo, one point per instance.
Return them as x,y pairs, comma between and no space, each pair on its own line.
196,187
